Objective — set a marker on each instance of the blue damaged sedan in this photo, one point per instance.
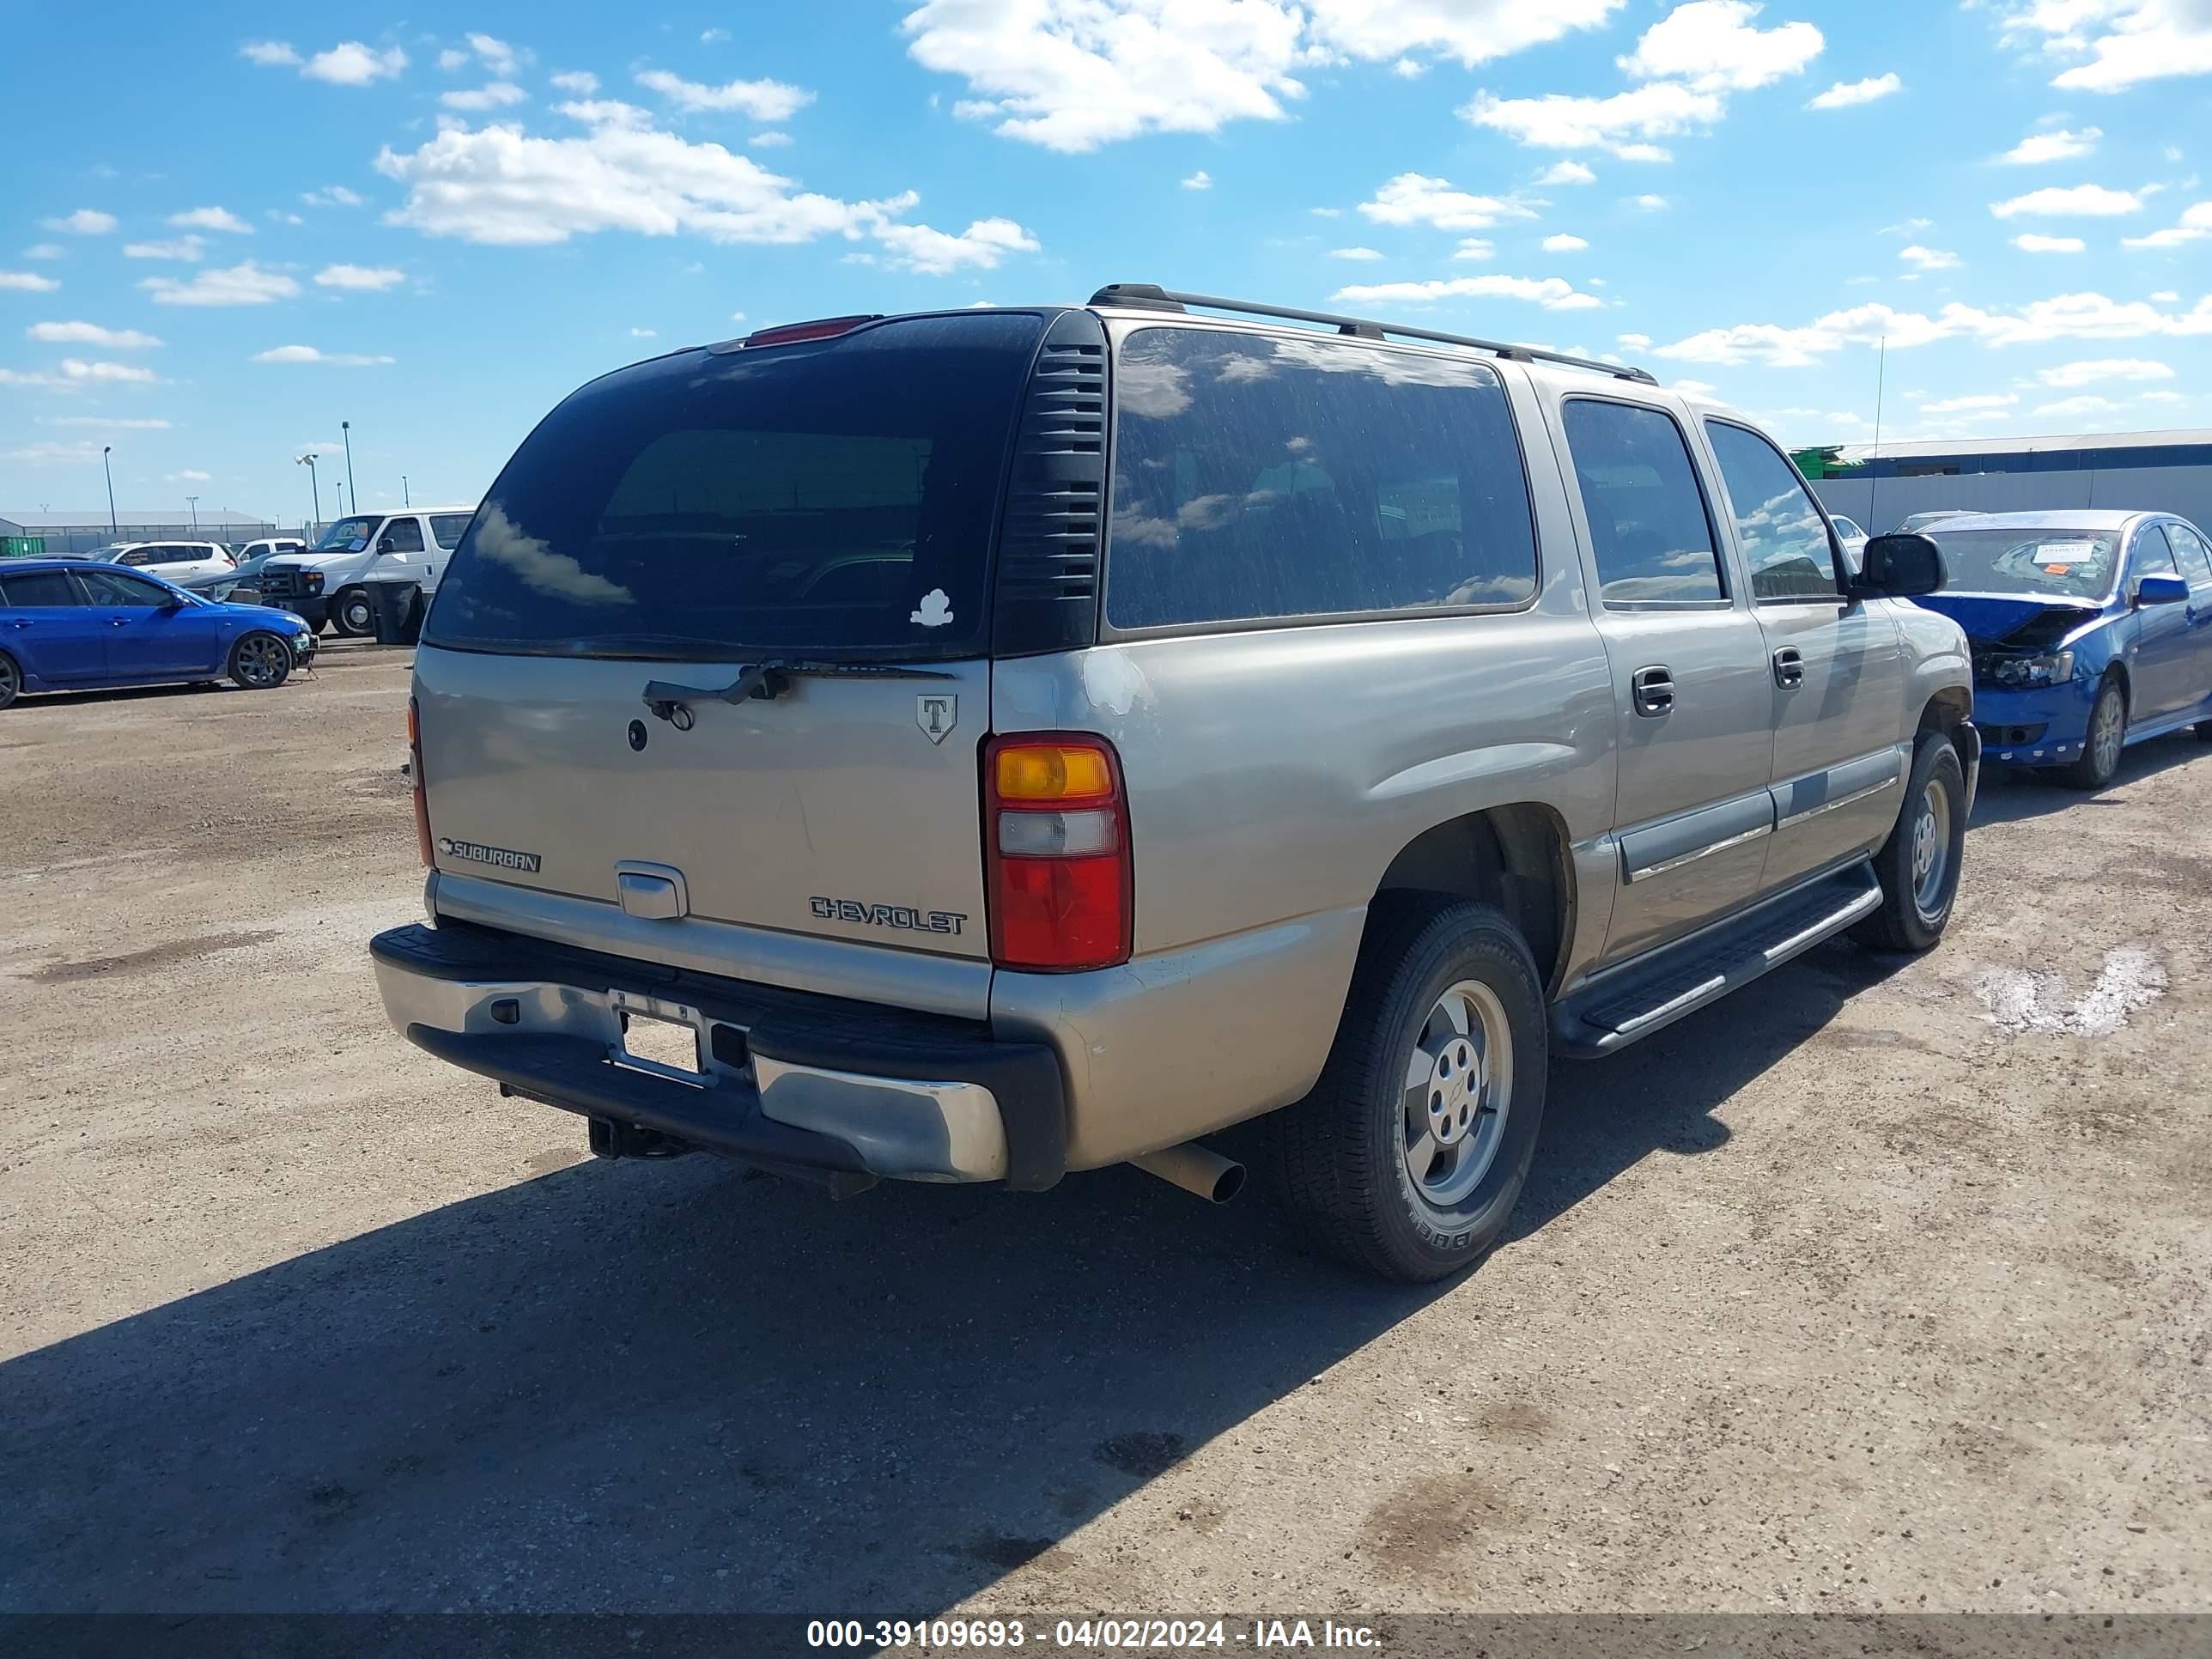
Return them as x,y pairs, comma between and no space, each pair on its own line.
79,624
2091,630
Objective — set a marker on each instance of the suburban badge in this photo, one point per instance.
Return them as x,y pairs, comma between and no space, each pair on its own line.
477,853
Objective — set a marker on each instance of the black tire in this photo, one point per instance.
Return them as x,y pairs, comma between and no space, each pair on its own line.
11,680
2095,768
342,614
255,667
1915,908
1341,1155
2203,730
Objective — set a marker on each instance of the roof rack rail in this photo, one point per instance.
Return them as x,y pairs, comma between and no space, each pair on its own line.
1151,297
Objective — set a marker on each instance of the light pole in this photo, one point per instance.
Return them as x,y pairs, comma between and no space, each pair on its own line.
105,451
195,500
345,431
307,460
405,500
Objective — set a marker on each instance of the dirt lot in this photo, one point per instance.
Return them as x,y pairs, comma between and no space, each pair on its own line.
1879,1287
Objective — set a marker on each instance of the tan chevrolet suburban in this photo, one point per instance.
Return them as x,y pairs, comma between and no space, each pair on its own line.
977,746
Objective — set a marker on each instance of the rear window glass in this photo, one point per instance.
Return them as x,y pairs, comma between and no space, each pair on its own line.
812,499
1257,477
37,590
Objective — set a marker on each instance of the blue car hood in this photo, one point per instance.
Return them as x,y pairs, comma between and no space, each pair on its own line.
260,613
1999,615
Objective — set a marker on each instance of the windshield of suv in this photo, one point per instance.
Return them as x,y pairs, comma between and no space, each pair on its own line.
810,498
2078,564
346,535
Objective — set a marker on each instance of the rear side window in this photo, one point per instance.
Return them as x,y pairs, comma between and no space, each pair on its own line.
37,590
1785,545
108,588
405,535
1257,479
448,528
1648,524
817,499
2189,548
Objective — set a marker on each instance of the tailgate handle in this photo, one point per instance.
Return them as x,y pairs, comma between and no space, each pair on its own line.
768,681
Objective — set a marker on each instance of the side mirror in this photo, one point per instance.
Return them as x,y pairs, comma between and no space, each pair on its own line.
1900,566
2161,589
385,545
172,602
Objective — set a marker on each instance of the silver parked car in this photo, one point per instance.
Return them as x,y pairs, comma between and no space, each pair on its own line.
974,747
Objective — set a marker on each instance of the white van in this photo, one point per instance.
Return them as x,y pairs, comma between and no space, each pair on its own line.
324,583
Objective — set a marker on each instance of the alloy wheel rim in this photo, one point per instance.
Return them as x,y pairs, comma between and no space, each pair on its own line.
1458,1089
7,679
2107,736
257,661
1931,848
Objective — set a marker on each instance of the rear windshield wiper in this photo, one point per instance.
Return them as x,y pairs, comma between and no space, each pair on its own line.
769,681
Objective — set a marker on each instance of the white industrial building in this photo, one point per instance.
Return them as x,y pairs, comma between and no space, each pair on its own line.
60,534
2150,472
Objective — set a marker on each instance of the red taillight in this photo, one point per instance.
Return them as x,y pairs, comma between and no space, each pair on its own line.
1057,851
422,799
823,328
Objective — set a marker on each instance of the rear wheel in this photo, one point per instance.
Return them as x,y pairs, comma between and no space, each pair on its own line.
1409,1155
260,662
11,680
351,613
2108,736
1919,864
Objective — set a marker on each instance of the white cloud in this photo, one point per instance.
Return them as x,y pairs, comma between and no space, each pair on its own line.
1846,93
2124,42
1566,172
2160,398
496,94
1201,179
85,222
1960,405
211,218
2063,317
332,196
1928,259
582,82
2095,370
1072,75
933,252
495,55
2164,297
503,186
1649,203
371,278
452,57
268,53
76,368
1557,121
1412,199
645,334
107,421
303,353
115,339
1713,46
26,281
1552,293
1564,244
1326,213
2077,201
2084,405
713,36
761,100
2062,145
238,285
350,63
1634,341
190,474
1475,247
181,247
770,141
2029,242
2195,225
45,250
1353,253
82,452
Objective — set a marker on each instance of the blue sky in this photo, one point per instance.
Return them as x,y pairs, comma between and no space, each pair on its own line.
222,233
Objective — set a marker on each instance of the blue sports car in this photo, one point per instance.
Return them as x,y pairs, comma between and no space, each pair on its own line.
2091,631
78,624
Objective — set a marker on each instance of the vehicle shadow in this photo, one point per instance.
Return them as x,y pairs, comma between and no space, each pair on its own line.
2010,793
675,1386
31,705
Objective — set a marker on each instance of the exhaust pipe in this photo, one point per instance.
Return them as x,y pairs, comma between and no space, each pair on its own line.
1190,1166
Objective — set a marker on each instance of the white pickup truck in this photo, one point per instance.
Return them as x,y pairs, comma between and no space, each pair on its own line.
325,583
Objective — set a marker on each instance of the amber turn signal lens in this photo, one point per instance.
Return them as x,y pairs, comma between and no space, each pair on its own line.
1052,772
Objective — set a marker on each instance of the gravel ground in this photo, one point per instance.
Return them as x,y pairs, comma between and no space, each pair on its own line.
1880,1287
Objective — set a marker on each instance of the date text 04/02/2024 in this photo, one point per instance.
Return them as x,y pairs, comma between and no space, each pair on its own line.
1170,1635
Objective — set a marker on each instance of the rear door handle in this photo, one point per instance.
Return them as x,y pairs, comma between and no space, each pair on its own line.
1653,689
1788,668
